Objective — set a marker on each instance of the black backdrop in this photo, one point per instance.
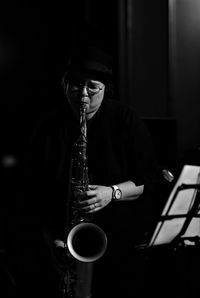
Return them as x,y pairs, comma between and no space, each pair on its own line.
34,40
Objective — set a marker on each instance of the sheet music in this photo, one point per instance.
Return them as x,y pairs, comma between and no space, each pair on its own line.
167,230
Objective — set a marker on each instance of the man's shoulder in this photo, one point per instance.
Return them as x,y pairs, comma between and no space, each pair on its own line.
55,115
120,109
52,120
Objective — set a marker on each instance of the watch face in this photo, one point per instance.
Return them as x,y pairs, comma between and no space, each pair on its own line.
118,194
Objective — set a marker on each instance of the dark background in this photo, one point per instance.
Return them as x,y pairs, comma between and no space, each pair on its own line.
157,73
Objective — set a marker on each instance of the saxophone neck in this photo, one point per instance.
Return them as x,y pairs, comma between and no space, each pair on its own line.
83,120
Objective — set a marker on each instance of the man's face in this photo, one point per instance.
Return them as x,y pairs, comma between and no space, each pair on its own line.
85,90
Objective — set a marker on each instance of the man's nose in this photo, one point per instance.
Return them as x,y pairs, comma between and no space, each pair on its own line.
84,91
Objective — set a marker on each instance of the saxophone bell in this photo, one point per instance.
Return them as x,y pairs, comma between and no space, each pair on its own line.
87,242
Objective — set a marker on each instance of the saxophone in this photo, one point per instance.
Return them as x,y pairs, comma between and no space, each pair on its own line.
84,241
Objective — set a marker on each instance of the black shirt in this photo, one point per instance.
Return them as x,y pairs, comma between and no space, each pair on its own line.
119,149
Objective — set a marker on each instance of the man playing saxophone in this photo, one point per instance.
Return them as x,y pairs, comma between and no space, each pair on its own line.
122,172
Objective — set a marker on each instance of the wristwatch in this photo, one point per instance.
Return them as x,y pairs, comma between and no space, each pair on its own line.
117,193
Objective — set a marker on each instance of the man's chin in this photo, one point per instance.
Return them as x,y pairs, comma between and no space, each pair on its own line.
91,113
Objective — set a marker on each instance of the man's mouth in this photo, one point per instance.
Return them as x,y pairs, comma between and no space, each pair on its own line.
85,100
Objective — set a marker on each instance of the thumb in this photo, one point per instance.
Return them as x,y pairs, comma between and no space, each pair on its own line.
59,243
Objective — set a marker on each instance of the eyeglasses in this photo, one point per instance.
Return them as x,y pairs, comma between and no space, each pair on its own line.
92,89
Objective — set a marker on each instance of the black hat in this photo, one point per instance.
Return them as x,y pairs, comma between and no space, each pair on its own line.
91,60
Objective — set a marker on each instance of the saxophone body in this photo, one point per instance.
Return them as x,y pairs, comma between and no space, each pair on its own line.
84,241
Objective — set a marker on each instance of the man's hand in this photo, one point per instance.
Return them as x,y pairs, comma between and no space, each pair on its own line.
95,199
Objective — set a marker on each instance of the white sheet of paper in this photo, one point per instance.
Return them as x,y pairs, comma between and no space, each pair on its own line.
166,231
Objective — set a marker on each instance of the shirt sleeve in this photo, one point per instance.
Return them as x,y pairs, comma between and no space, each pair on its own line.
143,156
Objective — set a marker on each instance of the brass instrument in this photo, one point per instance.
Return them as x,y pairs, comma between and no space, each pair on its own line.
84,241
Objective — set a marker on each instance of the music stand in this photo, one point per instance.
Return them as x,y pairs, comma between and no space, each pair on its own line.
180,219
